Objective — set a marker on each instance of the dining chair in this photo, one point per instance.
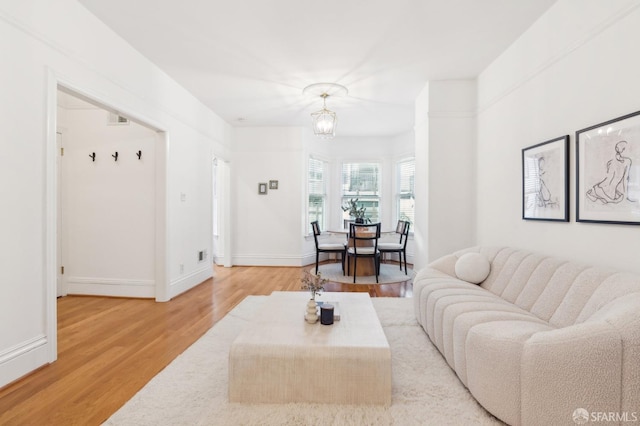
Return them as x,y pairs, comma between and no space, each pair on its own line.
402,229
327,247
363,242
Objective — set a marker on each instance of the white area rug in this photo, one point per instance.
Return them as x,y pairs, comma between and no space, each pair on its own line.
192,390
389,273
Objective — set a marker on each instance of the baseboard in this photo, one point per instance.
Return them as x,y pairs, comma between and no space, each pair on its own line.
268,260
310,258
20,360
115,287
189,281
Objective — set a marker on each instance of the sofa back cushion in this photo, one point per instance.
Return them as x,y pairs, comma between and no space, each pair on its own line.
615,286
537,284
503,267
578,293
560,292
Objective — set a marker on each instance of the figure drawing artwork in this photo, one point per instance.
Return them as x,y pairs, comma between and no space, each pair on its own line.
545,180
612,186
608,171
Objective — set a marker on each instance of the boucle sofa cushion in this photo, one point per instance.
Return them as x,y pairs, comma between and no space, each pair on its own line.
472,267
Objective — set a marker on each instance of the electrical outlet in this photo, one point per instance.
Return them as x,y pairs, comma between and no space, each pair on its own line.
182,268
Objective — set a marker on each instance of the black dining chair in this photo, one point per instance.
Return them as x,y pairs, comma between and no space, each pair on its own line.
326,247
400,247
363,242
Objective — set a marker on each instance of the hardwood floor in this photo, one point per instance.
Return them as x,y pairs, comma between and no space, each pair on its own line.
109,348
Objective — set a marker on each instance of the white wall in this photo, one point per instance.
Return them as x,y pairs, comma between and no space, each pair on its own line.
577,66
190,203
421,225
404,145
445,169
108,222
268,229
43,43
452,123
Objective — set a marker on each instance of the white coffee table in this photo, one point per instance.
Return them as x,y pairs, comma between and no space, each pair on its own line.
280,358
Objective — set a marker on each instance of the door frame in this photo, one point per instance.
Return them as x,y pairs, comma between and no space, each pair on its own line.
162,294
61,288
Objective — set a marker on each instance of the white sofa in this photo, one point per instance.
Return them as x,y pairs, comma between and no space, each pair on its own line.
539,338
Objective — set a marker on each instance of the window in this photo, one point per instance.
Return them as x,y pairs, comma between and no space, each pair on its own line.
317,193
361,181
405,197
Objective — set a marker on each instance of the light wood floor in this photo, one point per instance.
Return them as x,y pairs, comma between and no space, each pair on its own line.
109,348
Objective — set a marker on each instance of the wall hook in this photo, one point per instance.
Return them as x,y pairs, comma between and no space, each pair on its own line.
139,154
93,156
115,156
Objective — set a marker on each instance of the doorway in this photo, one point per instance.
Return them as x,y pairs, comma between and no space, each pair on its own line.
106,200
52,226
222,218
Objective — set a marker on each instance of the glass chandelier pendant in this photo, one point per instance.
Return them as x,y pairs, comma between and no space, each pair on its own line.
324,121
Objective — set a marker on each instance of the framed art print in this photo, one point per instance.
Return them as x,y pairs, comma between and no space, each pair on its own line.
262,188
545,180
608,171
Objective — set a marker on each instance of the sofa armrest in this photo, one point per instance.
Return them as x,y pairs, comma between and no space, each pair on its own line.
579,366
623,315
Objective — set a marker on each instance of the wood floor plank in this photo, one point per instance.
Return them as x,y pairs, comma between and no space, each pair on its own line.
109,348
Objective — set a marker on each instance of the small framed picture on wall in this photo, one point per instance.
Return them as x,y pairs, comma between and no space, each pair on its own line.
545,180
608,172
262,188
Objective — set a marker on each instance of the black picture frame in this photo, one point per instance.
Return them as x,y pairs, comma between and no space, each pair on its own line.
545,180
273,184
608,171
262,188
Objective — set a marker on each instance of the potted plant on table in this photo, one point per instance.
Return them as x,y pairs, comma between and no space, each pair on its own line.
315,285
355,211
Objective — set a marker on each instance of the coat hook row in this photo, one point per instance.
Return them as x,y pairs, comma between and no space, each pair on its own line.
115,155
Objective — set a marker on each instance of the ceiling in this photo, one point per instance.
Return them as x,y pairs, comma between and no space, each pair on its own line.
249,60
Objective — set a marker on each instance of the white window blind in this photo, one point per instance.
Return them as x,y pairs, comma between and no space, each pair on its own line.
405,198
317,193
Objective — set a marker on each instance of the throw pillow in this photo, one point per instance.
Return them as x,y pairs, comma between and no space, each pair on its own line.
472,267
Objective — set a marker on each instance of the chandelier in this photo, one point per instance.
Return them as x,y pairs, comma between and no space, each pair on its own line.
324,121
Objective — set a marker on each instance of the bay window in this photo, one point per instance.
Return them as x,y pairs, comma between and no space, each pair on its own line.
361,181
